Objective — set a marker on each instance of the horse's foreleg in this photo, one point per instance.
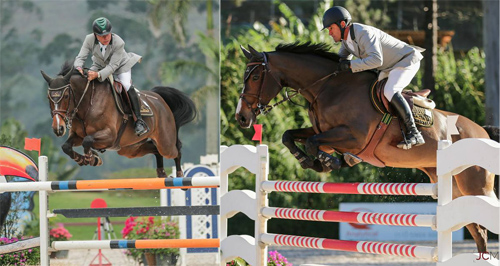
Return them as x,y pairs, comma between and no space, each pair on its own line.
91,157
72,141
336,137
301,135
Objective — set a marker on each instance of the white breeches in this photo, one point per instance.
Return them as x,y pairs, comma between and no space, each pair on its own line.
399,78
125,79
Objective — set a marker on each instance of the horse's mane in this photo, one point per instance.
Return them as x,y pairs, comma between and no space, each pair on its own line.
321,49
66,67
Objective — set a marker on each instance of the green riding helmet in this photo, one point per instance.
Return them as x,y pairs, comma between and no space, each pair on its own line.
335,15
101,26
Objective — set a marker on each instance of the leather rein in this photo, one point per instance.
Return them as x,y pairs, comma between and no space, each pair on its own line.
265,108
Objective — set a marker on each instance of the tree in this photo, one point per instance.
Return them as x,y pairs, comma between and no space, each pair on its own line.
208,44
17,53
431,28
491,47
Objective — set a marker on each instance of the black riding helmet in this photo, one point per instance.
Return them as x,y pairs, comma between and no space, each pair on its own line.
335,15
101,26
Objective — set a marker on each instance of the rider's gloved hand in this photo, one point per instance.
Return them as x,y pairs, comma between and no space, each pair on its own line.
345,65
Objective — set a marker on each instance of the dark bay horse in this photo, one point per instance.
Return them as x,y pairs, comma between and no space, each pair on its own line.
89,112
344,119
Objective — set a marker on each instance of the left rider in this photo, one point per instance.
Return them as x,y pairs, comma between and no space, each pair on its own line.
110,58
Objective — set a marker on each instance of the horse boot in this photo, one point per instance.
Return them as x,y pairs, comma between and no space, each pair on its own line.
413,137
141,127
330,162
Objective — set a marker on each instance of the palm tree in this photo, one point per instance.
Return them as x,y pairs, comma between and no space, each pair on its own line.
175,14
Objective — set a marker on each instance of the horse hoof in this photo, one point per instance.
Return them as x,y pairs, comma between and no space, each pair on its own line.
87,159
179,174
80,160
160,172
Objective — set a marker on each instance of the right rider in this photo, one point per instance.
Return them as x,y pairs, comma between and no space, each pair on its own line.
376,49
110,58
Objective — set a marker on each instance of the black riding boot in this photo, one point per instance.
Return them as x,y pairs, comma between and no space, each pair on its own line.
413,136
141,127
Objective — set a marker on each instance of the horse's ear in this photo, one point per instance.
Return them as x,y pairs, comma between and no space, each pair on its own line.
68,75
46,77
254,52
247,54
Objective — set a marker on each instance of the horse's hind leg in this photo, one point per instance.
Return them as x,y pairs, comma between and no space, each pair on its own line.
177,160
160,171
477,181
472,181
141,149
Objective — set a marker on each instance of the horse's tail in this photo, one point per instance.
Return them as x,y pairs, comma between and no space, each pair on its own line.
181,105
493,132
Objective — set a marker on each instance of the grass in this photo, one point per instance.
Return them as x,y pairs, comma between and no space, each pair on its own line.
82,200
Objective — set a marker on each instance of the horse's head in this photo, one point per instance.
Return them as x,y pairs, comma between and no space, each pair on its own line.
59,94
259,88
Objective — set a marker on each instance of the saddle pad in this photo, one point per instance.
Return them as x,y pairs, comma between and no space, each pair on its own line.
121,97
145,108
423,116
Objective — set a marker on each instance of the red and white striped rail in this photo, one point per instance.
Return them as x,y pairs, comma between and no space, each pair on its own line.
350,217
353,246
416,189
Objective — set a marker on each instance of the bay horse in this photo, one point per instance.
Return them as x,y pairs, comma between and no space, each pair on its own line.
344,119
88,111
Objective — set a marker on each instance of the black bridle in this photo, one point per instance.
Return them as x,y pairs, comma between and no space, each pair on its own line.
57,94
262,108
265,108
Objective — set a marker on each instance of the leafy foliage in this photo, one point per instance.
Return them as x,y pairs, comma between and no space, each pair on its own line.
26,257
460,84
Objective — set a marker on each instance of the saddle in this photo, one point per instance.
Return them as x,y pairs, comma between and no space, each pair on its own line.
123,103
420,105
124,106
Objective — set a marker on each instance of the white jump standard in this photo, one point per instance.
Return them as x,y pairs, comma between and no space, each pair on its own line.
450,215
